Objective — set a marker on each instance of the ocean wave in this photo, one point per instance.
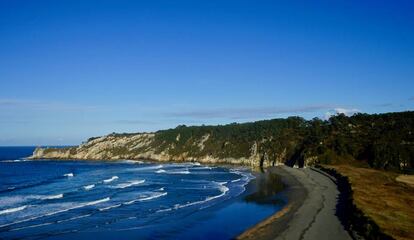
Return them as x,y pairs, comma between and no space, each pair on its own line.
32,226
132,161
49,223
147,198
223,189
89,187
110,207
12,210
34,184
59,211
12,200
146,168
113,178
74,218
143,198
202,168
48,197
179,172
68,175
15,160
21,199
186,171
129,184
86,204
245,177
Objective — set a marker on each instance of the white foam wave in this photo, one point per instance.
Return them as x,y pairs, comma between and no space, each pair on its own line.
146,168
32,226
12,210
179,172
12,200
156,195
49,223
186,171
110,207
246,177
89,187
49,197
59,211
202,168
68,175
223,189
15,160
129,184
74,218
113,178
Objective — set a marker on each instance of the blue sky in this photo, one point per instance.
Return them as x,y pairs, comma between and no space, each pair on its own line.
72,69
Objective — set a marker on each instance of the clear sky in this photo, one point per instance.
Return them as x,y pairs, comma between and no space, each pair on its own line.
73,69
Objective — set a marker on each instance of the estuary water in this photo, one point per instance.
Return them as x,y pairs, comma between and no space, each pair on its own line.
126,199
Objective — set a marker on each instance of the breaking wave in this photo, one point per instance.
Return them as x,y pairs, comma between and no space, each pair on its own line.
59,211
12,210
113,178
49,197
146,198
129,184
89,187
223,189
186,171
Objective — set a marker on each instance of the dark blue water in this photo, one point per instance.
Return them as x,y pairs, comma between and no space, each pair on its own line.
123,200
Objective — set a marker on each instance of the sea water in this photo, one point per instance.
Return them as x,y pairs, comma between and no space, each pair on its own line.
45,199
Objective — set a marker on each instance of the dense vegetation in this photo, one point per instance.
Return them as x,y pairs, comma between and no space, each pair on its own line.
383,141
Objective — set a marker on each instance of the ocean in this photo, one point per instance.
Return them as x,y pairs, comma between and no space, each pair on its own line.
126,199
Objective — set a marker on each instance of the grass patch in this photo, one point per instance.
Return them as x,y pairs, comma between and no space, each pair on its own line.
388,202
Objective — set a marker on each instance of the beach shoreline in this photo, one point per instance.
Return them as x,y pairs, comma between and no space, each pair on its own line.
310,212
302,190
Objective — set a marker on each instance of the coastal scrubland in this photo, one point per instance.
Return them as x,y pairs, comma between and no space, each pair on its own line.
382,198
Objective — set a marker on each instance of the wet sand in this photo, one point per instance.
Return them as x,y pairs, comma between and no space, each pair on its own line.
310,212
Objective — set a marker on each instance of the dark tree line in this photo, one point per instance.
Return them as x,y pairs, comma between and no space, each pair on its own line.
384,141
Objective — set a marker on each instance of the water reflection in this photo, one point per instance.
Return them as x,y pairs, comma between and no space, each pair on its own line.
267,184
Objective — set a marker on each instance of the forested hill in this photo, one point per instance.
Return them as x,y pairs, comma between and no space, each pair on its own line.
384,141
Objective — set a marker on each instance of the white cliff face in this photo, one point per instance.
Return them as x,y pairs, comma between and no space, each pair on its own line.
139,146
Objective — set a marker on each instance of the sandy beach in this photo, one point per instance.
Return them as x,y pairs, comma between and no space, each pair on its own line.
310,212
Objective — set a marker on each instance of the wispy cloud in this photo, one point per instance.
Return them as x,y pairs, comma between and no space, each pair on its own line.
383,105
134,122
411,98
42,105
346,111
245,113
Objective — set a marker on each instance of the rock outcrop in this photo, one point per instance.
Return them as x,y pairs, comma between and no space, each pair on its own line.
138,146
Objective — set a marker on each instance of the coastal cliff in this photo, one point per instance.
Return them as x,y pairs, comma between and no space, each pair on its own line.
383,141
137,146
263,143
